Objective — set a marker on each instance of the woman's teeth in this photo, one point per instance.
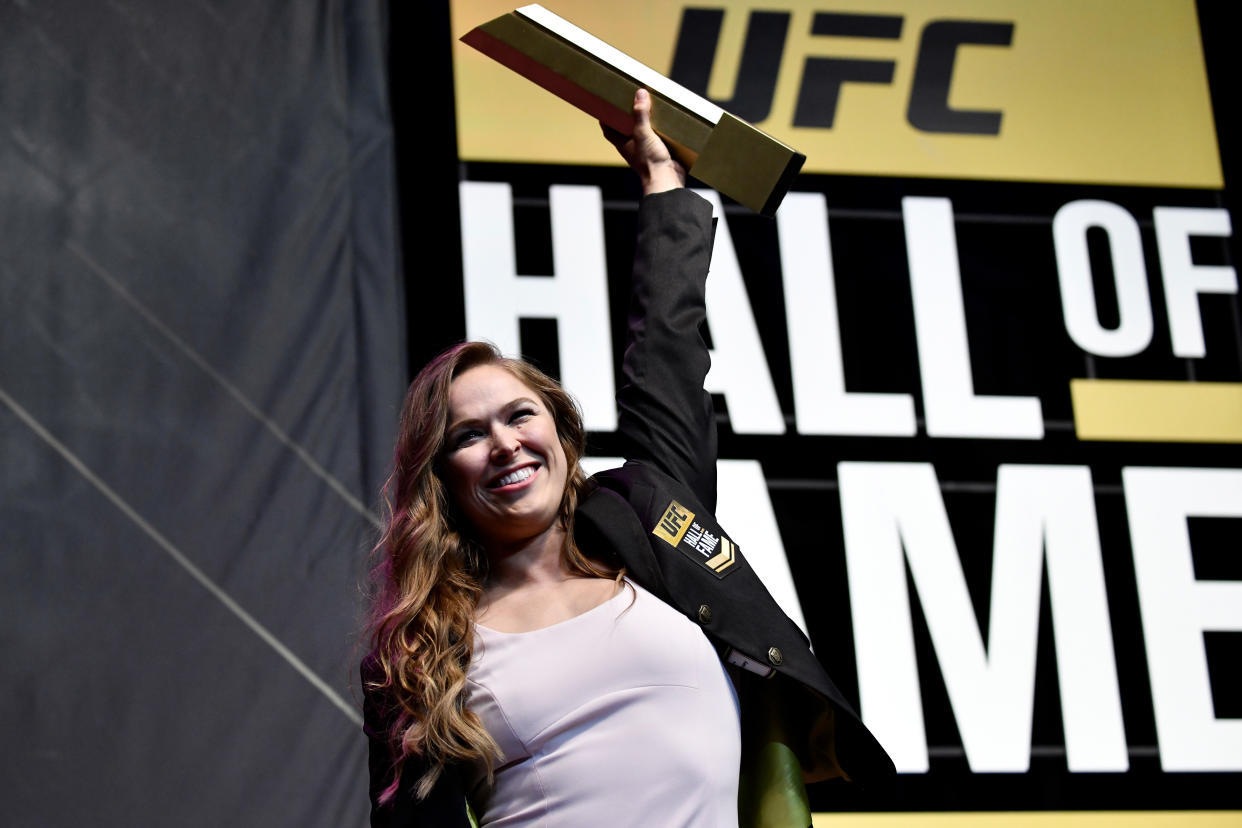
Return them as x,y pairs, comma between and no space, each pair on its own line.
514,477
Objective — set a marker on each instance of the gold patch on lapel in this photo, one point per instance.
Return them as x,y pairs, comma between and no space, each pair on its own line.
673,525
724,559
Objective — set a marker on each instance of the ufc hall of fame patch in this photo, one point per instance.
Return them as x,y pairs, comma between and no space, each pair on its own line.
704,544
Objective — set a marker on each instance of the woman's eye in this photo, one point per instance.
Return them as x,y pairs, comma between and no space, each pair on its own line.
522,414
465,437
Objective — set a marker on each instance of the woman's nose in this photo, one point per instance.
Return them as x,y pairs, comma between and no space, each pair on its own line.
505,443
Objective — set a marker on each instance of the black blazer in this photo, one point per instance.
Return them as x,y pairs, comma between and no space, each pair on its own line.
655,516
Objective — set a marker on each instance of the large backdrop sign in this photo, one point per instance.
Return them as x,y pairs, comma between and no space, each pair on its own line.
979,382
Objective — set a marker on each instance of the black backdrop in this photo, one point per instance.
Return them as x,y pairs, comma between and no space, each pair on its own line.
1003,234
203,349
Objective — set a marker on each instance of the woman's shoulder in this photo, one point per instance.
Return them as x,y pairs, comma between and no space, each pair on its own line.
639,480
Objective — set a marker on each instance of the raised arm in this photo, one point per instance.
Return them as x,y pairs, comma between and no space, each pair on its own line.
666,417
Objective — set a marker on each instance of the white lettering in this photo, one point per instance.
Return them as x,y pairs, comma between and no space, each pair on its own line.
739,369
747,517
1177,609
888,506
949,400
497,296
1069,234
821,403
1183,279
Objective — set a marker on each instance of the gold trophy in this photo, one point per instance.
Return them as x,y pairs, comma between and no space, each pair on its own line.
722,151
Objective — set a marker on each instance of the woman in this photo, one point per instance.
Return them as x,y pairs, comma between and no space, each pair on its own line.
550,647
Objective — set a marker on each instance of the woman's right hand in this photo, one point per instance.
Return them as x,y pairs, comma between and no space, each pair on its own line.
645,152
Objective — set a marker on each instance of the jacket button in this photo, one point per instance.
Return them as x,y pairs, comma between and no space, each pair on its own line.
774,656
705,614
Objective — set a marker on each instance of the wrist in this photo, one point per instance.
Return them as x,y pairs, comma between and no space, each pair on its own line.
660,178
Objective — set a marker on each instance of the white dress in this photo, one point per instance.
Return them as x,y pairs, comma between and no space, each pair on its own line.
621,716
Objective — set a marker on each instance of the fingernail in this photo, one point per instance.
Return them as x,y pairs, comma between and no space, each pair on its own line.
640,95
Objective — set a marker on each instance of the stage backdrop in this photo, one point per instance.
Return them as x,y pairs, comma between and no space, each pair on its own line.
201,357
979,382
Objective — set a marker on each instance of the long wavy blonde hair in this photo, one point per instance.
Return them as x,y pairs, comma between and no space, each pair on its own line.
431,570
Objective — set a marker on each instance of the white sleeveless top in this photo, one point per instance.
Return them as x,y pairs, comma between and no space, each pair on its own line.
621,716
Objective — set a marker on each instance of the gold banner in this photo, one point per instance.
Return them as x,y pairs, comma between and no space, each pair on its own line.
1102,92
1155,411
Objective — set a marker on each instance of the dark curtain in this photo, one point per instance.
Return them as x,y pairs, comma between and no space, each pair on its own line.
202,353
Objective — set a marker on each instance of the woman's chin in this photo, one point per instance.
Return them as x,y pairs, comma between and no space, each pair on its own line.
521,529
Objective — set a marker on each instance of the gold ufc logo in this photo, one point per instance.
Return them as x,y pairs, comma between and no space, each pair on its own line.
819,88
673,525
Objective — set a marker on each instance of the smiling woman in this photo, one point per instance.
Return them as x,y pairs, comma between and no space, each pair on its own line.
504,463
483,495
507,670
